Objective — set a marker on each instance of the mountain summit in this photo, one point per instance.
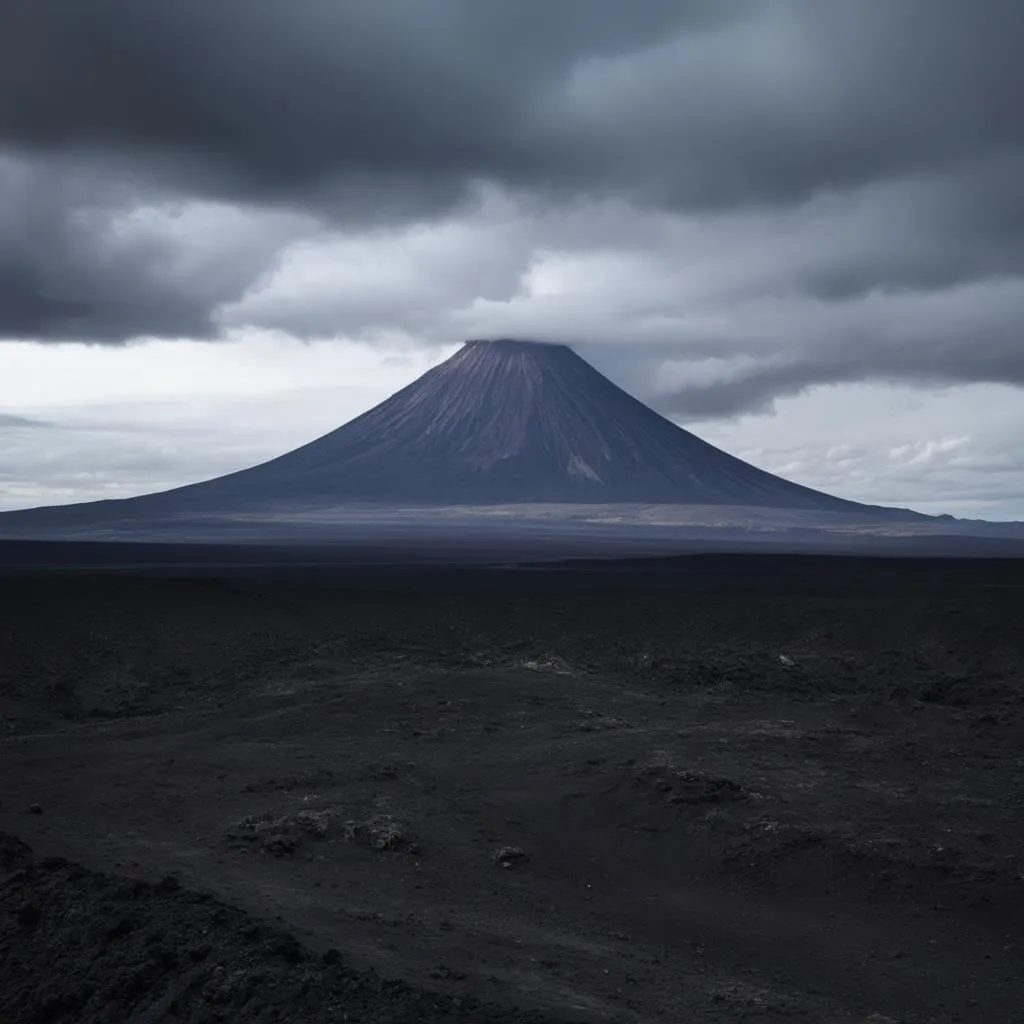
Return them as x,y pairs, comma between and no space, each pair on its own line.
502,422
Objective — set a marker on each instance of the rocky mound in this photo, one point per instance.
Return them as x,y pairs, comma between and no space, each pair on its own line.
78,946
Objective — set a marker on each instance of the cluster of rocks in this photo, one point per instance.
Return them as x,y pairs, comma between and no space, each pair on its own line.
509,856
688,785
591,720
382,832
281,835
549,662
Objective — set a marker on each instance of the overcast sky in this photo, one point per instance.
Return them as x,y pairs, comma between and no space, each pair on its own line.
795,227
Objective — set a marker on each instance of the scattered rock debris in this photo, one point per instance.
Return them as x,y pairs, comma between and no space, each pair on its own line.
443,973
280,835
509,856
382,832
690,786
597,721
549,663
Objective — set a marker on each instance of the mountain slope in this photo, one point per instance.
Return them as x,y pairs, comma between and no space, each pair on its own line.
509,421
499,422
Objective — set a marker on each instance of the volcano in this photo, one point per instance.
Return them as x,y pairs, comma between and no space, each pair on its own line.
512,421
500,422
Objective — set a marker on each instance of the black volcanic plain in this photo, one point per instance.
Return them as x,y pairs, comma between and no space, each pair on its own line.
745,789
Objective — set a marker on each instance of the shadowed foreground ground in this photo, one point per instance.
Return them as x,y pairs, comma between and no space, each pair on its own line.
758,789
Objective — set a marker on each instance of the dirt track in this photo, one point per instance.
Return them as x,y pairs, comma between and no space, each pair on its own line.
710,833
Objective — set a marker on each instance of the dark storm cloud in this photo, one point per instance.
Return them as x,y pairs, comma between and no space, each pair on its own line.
686,102
55,280
376,112
896,127
279,98
968,334
971,333
79,260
